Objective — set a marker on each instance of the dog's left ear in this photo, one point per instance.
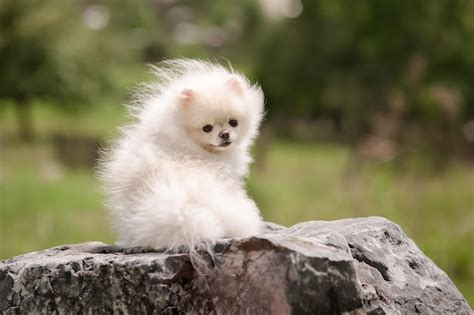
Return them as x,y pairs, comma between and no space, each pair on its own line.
236,85
187,97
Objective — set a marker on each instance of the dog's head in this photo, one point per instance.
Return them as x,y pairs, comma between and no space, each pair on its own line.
220,115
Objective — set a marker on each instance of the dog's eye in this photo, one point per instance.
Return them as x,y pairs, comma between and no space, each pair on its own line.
233,123
207,128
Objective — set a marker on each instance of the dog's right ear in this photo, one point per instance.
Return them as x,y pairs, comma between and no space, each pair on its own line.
187,97
235,84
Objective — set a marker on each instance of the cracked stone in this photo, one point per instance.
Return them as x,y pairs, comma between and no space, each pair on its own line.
357,266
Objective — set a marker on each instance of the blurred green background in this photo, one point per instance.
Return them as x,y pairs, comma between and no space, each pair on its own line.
370,110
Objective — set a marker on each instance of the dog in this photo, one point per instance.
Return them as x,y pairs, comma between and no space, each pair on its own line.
175,176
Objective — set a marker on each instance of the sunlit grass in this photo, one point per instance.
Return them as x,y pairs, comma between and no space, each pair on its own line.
43,204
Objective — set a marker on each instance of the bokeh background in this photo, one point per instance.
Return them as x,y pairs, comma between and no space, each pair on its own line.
370,110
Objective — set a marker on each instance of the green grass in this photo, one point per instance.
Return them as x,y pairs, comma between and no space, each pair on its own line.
44,204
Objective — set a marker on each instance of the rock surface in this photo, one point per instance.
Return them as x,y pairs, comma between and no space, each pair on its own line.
358,266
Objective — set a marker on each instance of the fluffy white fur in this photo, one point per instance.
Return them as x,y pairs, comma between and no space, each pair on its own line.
170,183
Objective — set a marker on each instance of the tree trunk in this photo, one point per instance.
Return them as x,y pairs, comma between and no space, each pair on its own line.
24,117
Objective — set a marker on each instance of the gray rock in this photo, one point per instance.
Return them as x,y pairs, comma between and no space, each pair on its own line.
358,266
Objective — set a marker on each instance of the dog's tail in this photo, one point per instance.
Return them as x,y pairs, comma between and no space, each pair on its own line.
170,214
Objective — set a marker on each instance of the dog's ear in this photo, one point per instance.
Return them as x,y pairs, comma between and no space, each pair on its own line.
187,97
236,85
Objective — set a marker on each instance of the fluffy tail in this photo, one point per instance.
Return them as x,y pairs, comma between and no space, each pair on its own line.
169,214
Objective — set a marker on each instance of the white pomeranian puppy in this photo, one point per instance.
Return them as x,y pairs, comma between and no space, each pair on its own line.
175,176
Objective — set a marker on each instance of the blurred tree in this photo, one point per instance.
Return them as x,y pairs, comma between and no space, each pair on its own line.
69,53
33,65
412,61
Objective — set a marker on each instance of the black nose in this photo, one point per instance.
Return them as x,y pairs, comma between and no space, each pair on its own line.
224,134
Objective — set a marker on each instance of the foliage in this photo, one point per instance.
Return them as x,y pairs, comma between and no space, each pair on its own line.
62,54
414,59
407,64
33,63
